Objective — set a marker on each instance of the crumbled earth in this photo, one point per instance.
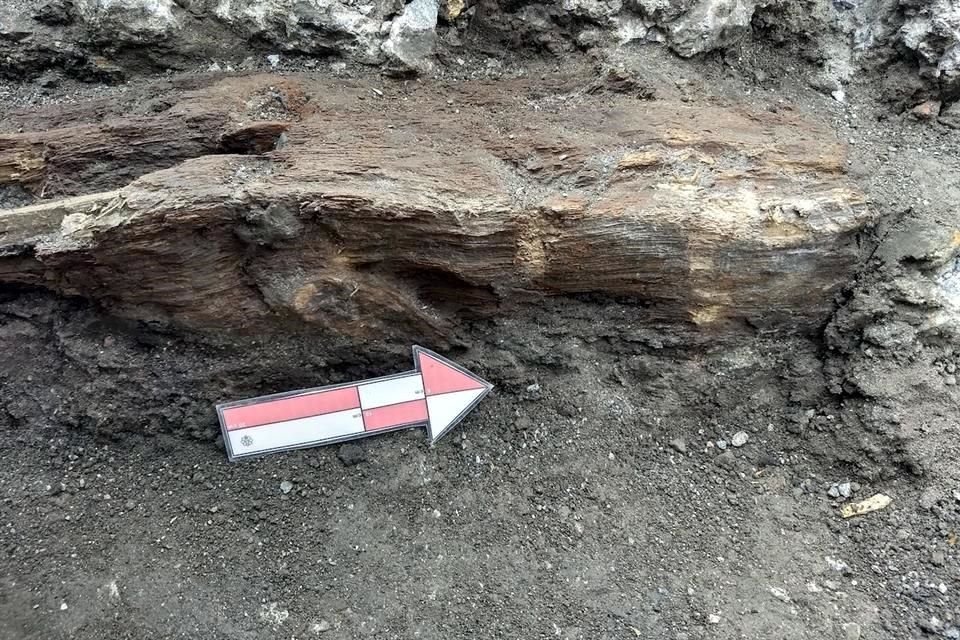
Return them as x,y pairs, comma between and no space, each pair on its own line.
598,493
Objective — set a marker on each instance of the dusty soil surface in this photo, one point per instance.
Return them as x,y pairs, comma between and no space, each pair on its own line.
596,494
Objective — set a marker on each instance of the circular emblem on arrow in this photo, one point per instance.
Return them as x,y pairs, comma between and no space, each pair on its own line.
246,441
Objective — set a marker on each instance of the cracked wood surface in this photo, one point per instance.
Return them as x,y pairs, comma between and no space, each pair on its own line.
406,216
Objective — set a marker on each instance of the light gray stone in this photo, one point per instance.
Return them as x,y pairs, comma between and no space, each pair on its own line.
410,45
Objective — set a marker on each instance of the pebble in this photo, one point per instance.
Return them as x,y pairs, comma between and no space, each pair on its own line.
130,505
926,110
851,631
780,594
739,439
321,627
63,606
952,633
950,381
840,490
713,619
286,486
838,565
351,454
678,445
933,625
274,60
721,444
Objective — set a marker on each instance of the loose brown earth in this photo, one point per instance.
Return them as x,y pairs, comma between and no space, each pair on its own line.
588,498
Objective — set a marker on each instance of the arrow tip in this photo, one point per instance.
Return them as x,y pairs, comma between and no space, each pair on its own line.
451,391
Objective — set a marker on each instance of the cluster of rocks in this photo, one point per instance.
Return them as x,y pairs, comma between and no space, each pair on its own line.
403,37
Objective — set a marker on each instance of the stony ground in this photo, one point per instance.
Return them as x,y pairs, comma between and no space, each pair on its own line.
597,494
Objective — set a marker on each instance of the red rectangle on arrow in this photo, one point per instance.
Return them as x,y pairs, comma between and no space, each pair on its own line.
395,415
311,404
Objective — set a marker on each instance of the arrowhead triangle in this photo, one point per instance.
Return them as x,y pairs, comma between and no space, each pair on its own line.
442,376
451,391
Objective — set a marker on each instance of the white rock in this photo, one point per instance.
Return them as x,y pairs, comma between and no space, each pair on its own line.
780,594
739,439
711,24
412,36
851,631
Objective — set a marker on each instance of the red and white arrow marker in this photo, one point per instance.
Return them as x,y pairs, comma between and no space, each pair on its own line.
437,394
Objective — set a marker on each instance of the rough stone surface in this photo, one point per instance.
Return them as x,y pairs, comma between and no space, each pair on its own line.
412,37
95,36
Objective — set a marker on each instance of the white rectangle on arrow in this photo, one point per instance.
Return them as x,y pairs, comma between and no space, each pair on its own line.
255,440
392,391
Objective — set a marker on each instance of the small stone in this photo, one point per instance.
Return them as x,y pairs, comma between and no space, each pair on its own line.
851,631
49,81
533,388
950,381
274,60
834,491
951,368
739,439
952,633
926,110
215,67
838,565
721,444
713,618
768,460
938,559
286,486
780,594
844,489
130,505
321,627
351,454
933,625
451,9
725,460
678,445
63,606
839,95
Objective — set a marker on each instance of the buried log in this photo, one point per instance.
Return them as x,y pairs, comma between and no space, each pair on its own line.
400,217
90,152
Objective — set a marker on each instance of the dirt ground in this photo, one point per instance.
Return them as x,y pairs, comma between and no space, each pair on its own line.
596,494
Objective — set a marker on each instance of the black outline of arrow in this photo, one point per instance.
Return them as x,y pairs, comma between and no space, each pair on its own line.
417,350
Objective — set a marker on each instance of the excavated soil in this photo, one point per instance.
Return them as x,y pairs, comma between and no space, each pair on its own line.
596,494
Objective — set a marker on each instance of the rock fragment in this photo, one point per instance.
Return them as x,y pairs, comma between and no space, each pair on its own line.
410,45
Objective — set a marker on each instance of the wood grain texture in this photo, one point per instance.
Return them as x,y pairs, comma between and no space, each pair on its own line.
401,216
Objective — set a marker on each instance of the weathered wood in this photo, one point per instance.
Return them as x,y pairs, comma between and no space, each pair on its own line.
84,157
399,217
